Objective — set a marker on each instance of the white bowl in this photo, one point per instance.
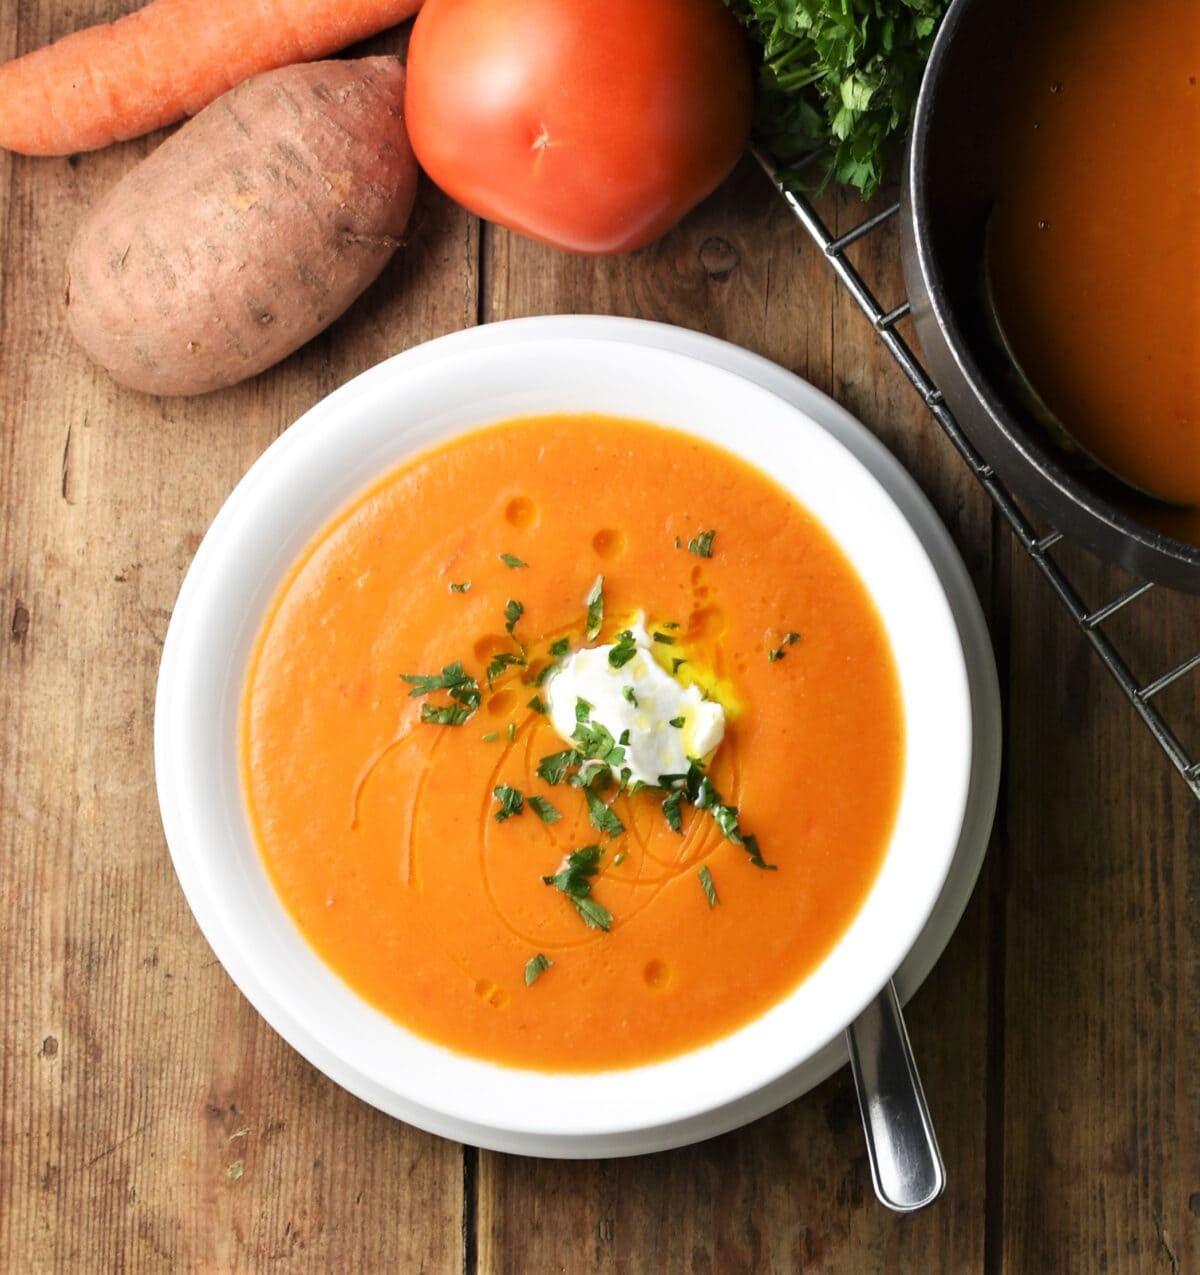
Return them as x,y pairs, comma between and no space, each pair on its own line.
315,469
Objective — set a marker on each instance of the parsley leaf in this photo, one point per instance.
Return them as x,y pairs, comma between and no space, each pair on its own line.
604,819
460,588
491,737
535,966
710,890
838,81
597,744
452,675
702,544
546,812
664,639
559,648
630,697
499,662
624,650
511,802
553,768
573,880
676,664
750,845
538,705
449,715
595,608
513,611
702,793
595,916
671,808
677,722
511,560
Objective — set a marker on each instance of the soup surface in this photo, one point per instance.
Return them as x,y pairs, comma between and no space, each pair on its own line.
1095,237
380,830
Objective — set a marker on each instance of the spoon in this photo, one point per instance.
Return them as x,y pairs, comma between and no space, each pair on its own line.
906,1165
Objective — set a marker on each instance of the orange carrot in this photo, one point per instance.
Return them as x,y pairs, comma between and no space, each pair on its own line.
152,67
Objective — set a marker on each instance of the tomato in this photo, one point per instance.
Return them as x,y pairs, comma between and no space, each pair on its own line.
591,125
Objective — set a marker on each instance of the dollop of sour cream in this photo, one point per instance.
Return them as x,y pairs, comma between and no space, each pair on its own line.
640,697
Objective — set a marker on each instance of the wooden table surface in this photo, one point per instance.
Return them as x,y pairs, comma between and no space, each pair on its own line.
152,1122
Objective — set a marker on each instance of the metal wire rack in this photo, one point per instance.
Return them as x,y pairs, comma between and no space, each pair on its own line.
1039,545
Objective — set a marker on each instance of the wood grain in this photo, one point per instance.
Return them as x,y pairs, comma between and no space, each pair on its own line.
1101,1098
151,1121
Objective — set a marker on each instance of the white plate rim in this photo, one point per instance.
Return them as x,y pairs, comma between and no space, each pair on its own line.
831,418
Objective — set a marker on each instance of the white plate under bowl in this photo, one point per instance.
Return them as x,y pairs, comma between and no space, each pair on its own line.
672,377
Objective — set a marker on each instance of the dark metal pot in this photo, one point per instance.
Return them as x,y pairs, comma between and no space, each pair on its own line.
949,189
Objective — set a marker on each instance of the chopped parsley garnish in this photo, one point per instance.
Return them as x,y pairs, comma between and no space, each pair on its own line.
538,705
726,818
595,608
573,880
501,661
511,732
676,722
513,611
710,890
511,802
702,544
604,818
460,588
664,638
619,859
702,793
670,624
671,808
461,687
676,664
624,650
544,810
630,697
706,795
451,677
447,715
777,653
596,742
535,966
553,768
750,845
491,737
511,560
560,648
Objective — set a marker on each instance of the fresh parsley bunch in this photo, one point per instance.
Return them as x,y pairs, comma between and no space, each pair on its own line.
839,81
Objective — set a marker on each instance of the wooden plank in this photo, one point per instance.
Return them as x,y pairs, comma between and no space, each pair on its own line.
791,1192
151,1121
1102,1092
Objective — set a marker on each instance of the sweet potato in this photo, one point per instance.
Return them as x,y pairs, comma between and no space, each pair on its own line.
247,231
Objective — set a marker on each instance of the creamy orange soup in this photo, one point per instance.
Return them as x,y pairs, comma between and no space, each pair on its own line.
1095,237
379,829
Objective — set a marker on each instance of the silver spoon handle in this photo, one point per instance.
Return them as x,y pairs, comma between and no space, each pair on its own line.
906,1165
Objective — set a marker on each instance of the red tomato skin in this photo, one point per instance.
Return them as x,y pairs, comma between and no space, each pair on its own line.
590,125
